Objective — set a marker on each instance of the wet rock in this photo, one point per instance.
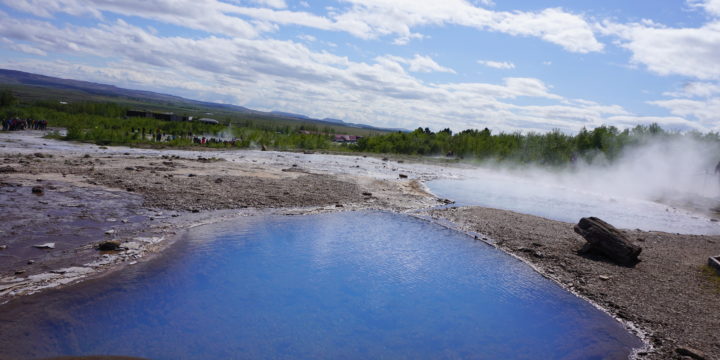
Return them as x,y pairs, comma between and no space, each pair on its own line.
7,169
110,232
191,175
108,246
367,194
30,262
3,247
45,246
39,155
130,168
691,353
218,181
604,277
605,240
19,272
403,176
38,190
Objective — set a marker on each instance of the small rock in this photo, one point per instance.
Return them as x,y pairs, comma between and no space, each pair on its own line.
218,181
19,272
124,221
338,205
191,175
367,194
45,246
690,352
111,220
384,159
403,176
110,232
3,247
604,277
38,190
108,245
714,220
39,155
30,262
130,168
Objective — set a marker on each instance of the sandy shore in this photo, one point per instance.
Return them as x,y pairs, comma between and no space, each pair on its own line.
143,198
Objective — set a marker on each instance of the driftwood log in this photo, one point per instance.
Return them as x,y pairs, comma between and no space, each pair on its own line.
604,239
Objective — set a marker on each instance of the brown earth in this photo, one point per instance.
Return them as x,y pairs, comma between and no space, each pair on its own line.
671,293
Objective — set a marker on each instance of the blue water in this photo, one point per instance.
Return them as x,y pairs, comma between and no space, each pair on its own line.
335,286
569,205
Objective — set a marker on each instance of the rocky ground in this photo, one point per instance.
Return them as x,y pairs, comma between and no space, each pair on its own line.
65,199
671,293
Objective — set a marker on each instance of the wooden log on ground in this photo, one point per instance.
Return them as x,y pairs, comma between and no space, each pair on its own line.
604,239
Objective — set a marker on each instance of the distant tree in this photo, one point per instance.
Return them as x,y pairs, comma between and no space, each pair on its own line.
7,98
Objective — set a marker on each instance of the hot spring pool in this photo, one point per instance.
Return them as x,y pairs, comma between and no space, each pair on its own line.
568,204
351,285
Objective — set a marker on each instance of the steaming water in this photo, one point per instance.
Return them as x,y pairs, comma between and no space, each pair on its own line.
537,196
344,285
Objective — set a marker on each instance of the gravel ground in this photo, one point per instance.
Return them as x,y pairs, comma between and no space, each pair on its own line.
671,294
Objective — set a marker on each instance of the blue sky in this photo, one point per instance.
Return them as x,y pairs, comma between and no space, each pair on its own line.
507,65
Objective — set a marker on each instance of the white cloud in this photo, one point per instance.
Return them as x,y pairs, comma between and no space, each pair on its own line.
278,4
372,18
692,52
696,89
419,63
497,64
706,110
712,7
367,19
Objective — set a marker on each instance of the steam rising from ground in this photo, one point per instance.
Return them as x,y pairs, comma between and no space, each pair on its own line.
661,170
666,184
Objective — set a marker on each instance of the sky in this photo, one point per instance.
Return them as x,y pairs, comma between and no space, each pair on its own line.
515,65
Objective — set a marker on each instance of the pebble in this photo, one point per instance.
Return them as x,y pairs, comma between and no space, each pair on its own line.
3,247
110,232
30,262
604,277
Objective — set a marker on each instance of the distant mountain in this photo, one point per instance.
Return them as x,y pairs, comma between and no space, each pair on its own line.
291,115
24,78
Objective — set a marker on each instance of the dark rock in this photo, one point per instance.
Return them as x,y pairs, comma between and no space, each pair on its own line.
338,205
39,155
218,181
191,175
38,190
130,168
263,148
19,272
691,353
604,239
7,169
3,247
403,176
45,246
108,245
367,194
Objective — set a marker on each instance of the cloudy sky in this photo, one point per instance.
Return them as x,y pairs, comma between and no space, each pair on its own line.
504,64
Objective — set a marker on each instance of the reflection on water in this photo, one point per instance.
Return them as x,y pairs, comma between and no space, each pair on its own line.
569,204
347,285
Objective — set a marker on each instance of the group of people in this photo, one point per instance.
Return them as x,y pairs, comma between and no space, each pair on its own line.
12,124
204,141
